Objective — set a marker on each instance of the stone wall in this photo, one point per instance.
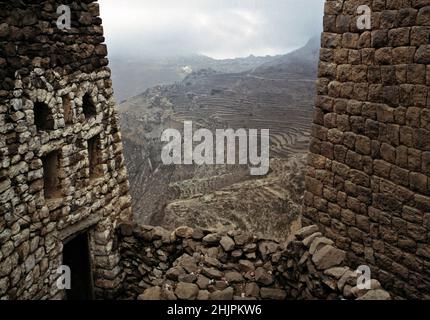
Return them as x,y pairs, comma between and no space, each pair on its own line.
191,264
368,179
61,164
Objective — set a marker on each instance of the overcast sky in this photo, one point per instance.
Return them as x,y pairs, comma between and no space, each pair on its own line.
217,28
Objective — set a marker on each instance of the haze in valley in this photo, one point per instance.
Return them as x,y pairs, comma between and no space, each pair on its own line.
222,64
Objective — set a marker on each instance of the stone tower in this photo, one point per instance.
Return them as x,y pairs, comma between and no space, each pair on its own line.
368,180
63,184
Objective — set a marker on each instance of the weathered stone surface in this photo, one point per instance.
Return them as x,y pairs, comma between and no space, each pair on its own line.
153,293
174,273
262,276
328,257
336,272
202,282
246,265
212,273
186,291
184,232
273,294
308,241
187,263
227,243
226,294
318,243
252,290
307,231
168,294
233,277
370,139
62,168
212,238
376,295
203,295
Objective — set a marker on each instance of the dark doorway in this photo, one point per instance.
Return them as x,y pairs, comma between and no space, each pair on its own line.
43,117
76,256
88,106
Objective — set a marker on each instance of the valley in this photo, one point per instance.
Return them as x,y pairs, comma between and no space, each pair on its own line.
276,95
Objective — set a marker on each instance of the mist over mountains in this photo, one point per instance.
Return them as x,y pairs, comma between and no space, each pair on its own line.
133,74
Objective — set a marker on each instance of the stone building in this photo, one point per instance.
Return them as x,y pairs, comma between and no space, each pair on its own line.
368,179
63,184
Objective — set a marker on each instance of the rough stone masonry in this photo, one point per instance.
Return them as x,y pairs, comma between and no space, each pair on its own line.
368,179
61,164
195,264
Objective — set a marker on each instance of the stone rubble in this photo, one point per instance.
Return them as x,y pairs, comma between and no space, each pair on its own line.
207,268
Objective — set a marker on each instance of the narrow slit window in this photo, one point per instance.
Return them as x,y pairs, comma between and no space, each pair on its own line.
88,106
51,180
94,156
68,111
43,118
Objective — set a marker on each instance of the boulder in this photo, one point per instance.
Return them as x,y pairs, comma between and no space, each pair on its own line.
376,295
306,231
267,247
348,278
184,232
227,243
198,234
226,294
328,257
186,291
153,293
212,262
318,243
203,295
273,294
233,277
202,282
188,278
242,238
336,272
188,263
308,241
167,294
174,273
212,273
246,265
262,276
236,254
252,290
212,239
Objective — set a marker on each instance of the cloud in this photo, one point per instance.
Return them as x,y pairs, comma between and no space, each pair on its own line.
218,28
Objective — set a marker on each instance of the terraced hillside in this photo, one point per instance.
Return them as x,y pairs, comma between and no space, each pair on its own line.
278,97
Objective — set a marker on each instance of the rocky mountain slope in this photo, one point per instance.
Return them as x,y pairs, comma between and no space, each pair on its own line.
133,75
278,97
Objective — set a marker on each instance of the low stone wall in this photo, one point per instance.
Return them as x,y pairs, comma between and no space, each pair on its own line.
189,264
